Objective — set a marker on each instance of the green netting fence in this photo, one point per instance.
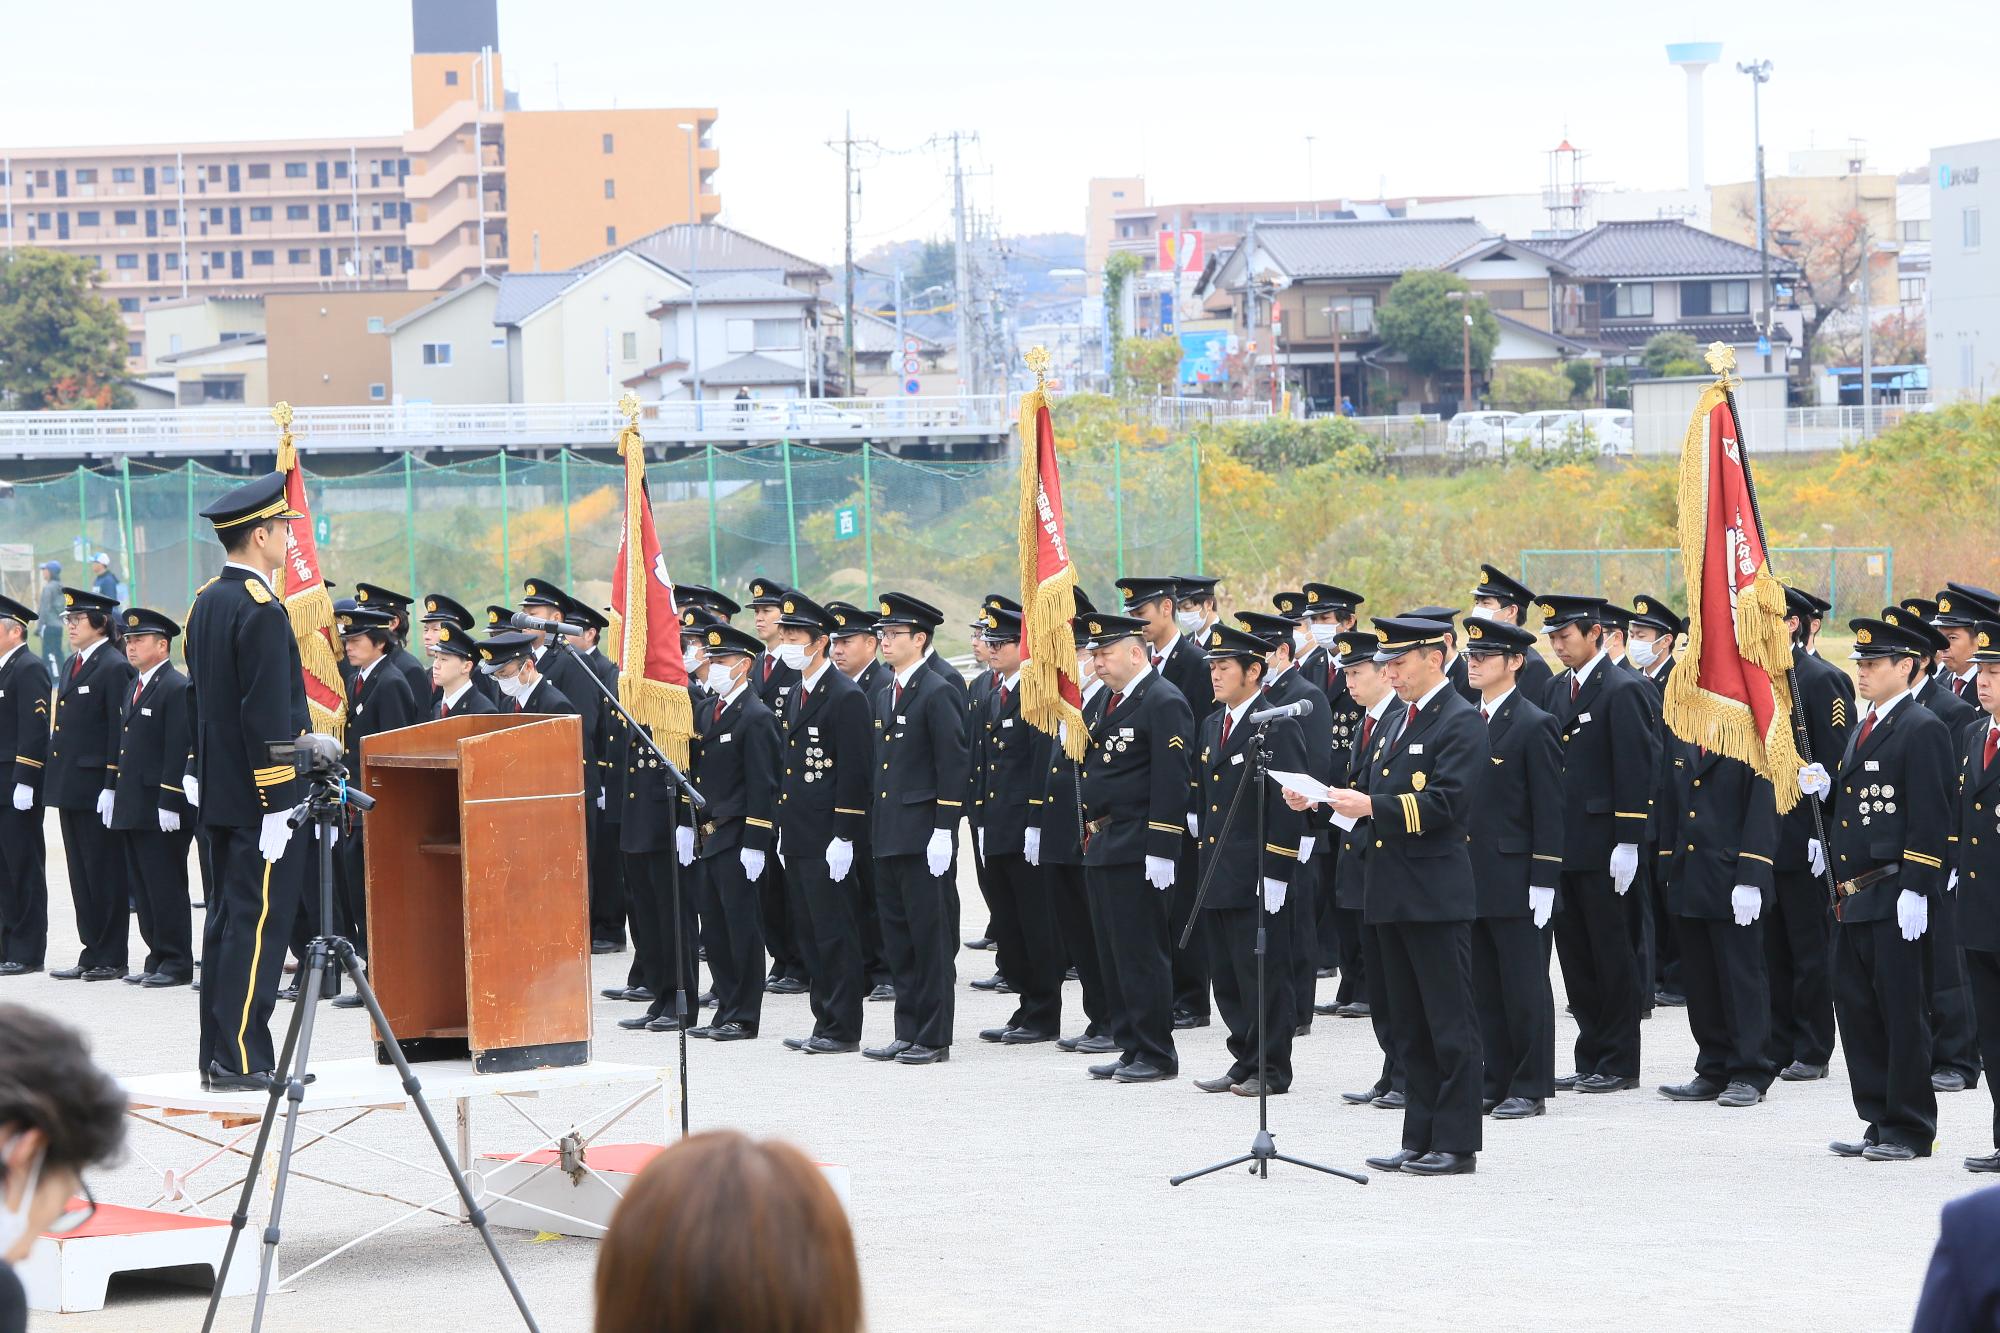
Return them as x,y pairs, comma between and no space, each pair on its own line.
1858,580
836,523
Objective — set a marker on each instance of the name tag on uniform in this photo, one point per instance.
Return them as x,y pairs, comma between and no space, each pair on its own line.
722,739
83,689
812,733
1125,733
1416,749
902,721
145,712
1582,718
1006,722
1872,765
1235,758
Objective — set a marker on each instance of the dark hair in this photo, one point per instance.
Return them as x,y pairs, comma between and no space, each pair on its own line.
237,538
722,1235
48,1082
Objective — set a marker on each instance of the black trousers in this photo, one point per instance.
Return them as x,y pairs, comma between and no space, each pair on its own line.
671,959
920,934
982,878
733,935
1666,939
156,865
1190,965
1600,972
1327,930
1428,977
251,905
1798,953
1517,1007
1071,903
607,884
1024,934
1645,940
1299,916
1232,948
1375,992
1129,919
24,885
1954,1043
829,927
874,963
1344,928
780,932
97,887
1728,1000
1881,1001
644,907
1983,975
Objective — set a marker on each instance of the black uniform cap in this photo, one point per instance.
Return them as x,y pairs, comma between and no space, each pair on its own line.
700,594
999,601
1616,617
725,640
1187,587
1225,643
1272,630
1559,609
798,611
1139,591
1502,587
1001,626
697,618
1962,607
1653,613
344,604
374,595
1820,606
14,610
578,612
1902,617
1402,634
1356,646
362,619
499,619
1291,605
849,619
1443,615
455,640
1923,608
252,502
1099,628
766,591
899,608
1800,603
1879,638
1497,636
500,649
442,610
1321,598
1986,641
544,592
141,620
80,599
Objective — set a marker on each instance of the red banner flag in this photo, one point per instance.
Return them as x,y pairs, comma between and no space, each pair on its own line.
652,675
1050,692
302,589
1730,693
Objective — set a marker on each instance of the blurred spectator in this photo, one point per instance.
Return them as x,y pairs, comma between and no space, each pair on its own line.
49,613
1962,1289
723,1235
59,1113
102,581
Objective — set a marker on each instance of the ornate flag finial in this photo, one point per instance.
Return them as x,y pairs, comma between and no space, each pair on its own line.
1721,358
1037,358
628,407
282,414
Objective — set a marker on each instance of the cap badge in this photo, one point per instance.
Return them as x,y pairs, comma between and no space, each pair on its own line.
131,620
1474,632
1863,636
885,608
715,638
1096,628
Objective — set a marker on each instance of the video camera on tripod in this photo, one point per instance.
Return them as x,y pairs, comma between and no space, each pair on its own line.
321,761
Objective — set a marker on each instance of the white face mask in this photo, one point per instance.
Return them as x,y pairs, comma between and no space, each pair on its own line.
1324,635
1190,622
792,655
1642,652
512,686
718,679
1481,613
14,1220
1302,642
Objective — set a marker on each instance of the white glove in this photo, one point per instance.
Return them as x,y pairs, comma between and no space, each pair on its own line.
1816,857
170,822
1274,894
1745,902
1160,872
1913,914
753,862
1814,780
1624,865
937,853
1194,825
192,790
600,798
1306,845
1542,905
275,835
839,858
105,800
1951,882
24,796
1031,846
684,845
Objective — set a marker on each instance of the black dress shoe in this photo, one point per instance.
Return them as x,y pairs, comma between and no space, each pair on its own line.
1842,1148
1221,1083
1519,1108
1327,1010
346,1001
1942,1080
982,944
606,946
992,1034
290,992
828,1046
1098,1045
134,978
785,986
1606,1083
218,1079
640,994
992,983
1739,1094
1395,1161
730,1031
704,1032
1184,1019
1990,1162
18,969
1250,1087
635,1023
1568,1082
160,981
1362,1098
66,973
1443,1164
614,992
796,1043
1302,1030
1667,999
1390,1101
1890,1152
1106,1070
1486,1105
1025,1037
1067,1044
1141,1072
1694,1090
705,1000
889,1052
882,992
664,1023
1353,1009
1798,1071
923,1055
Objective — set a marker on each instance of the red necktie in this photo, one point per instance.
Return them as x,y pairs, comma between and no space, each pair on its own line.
1958,686
1112,707
1484,716
1156,660
444,708
800,702
718,713
899,694
1410,720
1225,728
138,687
1867,725
1575,687
1004,693
1992,744
767,666
1367,730
75,665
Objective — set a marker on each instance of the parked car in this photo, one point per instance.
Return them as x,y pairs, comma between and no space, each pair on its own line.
1613,428
796,414
1477,432
1540,429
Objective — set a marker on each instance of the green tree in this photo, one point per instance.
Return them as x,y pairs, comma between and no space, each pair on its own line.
936,266
1530,388
1663,349
1582,378
62,345
1421,319
1118,270
1150,364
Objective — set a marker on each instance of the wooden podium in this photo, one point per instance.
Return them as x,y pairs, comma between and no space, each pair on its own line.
478,897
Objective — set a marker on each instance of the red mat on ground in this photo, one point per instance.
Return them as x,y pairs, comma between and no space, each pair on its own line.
627,1159
112,1220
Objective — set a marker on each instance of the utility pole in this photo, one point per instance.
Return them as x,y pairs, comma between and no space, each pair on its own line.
1854,166
968,359
849,189
1760,74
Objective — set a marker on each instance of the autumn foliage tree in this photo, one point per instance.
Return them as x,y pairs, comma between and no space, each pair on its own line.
62,344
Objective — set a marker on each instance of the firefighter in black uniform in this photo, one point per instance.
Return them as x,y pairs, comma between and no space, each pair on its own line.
919,796
1517,848
828,764
1891,816
771,679
1136,794
1247,878
1975,856
510,658
379,699
1500,597
440,611
246,691
985,679
81,778
453,655
607,863
150,811
396,605
24,751
857,656
1650,636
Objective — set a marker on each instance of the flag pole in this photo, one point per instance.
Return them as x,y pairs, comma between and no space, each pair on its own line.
1721,359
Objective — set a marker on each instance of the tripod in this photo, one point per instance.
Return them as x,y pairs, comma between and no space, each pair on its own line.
322,808
1263,1147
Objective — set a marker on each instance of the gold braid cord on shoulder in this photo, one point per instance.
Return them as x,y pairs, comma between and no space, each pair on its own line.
311,614
663,708
1708,719
1047,605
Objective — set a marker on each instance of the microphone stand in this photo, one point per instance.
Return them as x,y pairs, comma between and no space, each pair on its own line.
1263,1147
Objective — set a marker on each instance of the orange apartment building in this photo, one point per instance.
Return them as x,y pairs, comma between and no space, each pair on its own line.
479,186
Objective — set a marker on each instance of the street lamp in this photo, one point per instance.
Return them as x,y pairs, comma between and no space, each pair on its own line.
1334,312
694,277
1465,372
1760,74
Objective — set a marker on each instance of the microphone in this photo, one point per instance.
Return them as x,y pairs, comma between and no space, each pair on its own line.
522,620
1299,709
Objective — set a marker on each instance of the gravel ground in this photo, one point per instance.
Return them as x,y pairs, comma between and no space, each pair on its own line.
1007,1189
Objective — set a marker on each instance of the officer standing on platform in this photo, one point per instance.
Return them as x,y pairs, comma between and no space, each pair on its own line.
1247,877
24,750
81,780
919,797
1136,793
1891,816
857,656
247,690
396,606
1975,846
452,654
150,812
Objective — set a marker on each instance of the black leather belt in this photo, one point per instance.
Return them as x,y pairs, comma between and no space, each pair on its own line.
1849,887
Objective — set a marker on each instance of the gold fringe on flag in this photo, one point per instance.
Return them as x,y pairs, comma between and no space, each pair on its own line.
1699,715
310,611
663,708
1047,605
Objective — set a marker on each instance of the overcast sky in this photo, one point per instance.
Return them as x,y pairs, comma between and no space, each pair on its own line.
1207,100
